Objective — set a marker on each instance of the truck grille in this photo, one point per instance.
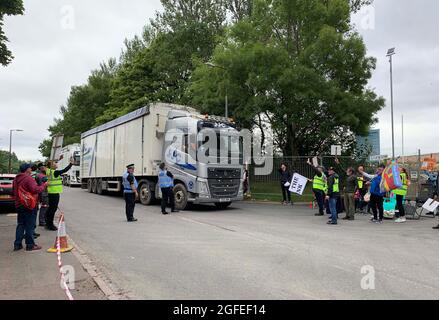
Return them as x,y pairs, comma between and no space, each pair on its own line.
220,173
224,188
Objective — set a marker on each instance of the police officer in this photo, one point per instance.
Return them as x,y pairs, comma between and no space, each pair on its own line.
54,190
130,192
166,183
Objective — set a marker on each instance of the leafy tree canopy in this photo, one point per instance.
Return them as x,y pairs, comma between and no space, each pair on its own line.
8,8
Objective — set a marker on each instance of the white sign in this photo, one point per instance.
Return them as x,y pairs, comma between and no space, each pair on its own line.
378,158
414,175
430,205
298,184
315,162
57,143
336,150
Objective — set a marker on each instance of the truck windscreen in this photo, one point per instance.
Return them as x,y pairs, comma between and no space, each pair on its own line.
228,143
77,158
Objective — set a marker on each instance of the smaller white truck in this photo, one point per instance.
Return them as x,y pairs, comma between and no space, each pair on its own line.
71,178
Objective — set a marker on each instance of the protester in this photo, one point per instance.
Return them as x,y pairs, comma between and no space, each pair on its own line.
349,194
245,183
54,189
319,187
349,189
285,182
436,198
362,190
400,195
25,187
376,195
333,194
43,196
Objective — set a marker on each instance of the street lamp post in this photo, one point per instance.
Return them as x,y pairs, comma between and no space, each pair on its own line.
212,65
10,148
390,54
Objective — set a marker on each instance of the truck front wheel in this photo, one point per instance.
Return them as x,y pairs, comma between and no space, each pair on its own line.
146,195
181,197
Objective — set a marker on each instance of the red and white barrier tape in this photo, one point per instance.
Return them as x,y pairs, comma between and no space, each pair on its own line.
60,265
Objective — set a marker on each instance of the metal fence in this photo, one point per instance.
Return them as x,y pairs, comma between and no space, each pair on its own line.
421,187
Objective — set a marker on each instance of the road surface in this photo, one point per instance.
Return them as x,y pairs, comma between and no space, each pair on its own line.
252,251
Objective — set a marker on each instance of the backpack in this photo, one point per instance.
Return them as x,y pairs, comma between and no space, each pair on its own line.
27,199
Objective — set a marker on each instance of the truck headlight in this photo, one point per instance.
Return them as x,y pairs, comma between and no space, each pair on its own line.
202,188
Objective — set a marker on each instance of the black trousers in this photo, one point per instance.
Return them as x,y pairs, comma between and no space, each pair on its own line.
130,203
400,206
377,205
286,194
167,197
320,198
53,207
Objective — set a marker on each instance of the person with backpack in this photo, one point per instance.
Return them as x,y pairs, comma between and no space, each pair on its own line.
26,190
376,195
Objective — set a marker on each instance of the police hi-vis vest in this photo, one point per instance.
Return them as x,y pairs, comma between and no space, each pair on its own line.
165,181
403,190
54,185
126,184
319,183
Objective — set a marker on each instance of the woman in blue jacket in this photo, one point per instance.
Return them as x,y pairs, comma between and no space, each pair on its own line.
376,195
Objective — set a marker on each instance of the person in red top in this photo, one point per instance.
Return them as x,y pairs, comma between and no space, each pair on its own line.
26,218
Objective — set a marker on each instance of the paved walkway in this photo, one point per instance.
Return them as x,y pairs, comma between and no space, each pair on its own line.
35,275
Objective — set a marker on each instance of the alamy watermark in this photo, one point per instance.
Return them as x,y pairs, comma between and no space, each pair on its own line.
368,280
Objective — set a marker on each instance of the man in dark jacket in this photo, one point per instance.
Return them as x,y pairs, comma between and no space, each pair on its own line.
333,194
26,217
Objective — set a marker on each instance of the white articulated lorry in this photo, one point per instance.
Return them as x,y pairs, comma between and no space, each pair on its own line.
71,178
139,138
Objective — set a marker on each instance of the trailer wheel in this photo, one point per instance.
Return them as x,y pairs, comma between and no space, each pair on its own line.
94,183
181,197
146,195
99,189
223,205
89,186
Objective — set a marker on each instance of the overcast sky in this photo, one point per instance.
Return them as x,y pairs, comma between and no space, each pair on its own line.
53,52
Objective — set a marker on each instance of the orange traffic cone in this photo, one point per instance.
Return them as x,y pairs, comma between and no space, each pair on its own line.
61,239
311,205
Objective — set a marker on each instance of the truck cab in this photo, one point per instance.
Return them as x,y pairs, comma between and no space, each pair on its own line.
203,172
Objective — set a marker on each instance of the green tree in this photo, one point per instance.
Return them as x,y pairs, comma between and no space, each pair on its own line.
45,148
159,65
8,8
84,105
300,65
4,162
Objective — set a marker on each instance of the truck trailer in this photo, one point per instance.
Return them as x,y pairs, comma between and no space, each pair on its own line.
72,177
139,138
